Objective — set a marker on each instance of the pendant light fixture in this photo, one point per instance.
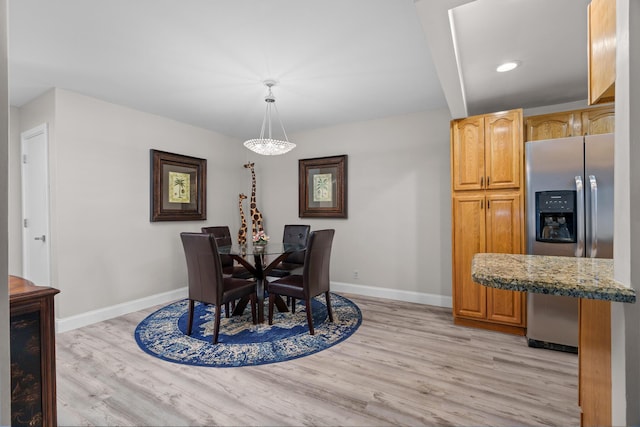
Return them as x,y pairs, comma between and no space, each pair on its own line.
269,146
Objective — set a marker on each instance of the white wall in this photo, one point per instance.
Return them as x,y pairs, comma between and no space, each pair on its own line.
106,251
625,334
5,369
568,106
15,196
398,231
626,317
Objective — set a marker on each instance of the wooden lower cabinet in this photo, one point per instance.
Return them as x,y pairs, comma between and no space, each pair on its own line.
486,222
594,372
33,355
469,228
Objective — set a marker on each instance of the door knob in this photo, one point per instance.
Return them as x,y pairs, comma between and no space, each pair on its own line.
40,238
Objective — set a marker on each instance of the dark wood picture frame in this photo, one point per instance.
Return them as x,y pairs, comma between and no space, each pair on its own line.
322,187
188,202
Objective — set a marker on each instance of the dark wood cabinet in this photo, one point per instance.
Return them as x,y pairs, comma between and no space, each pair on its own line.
33,354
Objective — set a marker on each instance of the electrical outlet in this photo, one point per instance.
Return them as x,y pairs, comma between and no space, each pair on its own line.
355,274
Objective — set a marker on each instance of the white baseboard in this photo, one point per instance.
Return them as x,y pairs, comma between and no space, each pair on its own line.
394,294
84,319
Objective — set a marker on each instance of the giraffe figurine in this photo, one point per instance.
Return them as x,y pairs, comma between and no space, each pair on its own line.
242,232
256,216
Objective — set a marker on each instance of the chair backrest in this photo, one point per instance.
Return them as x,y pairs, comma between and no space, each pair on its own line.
223,238
297,234
315,274
204,268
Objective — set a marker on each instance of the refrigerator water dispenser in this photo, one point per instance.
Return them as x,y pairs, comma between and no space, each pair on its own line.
556,216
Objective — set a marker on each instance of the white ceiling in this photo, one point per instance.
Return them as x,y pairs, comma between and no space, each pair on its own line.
203,61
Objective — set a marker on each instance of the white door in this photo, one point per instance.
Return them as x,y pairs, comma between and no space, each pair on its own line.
35,206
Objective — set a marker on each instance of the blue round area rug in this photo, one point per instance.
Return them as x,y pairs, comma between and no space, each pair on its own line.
241,343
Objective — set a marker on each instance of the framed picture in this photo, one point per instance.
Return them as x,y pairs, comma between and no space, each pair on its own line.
322,186
178,187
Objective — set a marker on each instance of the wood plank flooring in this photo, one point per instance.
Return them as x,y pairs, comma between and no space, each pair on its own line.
406,365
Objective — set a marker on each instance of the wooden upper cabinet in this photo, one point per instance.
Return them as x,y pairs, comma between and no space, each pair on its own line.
468,153
503,139
589,121
598,120
550,126
602,51
486,151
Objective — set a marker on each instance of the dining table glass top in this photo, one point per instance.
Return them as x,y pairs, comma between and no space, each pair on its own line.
271,248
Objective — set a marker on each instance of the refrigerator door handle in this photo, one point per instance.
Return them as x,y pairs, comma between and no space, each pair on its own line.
580,212
594,216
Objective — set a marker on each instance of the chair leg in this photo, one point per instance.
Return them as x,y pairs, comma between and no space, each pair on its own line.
329,306
309,316
254,317
226,310
190,321
293,306
216,325
272,298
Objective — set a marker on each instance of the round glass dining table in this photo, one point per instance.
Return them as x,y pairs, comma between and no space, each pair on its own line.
265,258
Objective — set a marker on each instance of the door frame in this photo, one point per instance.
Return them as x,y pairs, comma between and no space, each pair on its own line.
24,137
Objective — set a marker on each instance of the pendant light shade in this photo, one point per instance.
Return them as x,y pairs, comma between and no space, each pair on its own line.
268,146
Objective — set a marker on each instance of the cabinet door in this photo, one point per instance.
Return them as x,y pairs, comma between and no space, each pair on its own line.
468,239
598,120
601,51
467,153
503,141
504,235
550,126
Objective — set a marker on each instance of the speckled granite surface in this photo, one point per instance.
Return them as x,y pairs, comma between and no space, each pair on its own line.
590,278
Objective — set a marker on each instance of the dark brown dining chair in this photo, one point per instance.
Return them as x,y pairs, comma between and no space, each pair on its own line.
206,281
223,238
295,234
314,279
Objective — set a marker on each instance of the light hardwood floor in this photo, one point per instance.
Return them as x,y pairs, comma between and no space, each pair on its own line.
406,365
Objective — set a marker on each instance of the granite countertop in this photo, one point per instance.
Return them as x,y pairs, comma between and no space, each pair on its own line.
590,278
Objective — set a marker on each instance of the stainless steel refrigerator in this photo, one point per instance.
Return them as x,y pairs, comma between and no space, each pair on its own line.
569,184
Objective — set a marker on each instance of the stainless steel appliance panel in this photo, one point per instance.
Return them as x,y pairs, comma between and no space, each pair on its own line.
583,165
551,165
552,322
599,191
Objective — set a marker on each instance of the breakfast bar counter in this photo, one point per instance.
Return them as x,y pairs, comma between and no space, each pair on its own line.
591,281
590,278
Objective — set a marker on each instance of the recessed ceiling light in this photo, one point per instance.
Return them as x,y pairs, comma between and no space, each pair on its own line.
508,66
